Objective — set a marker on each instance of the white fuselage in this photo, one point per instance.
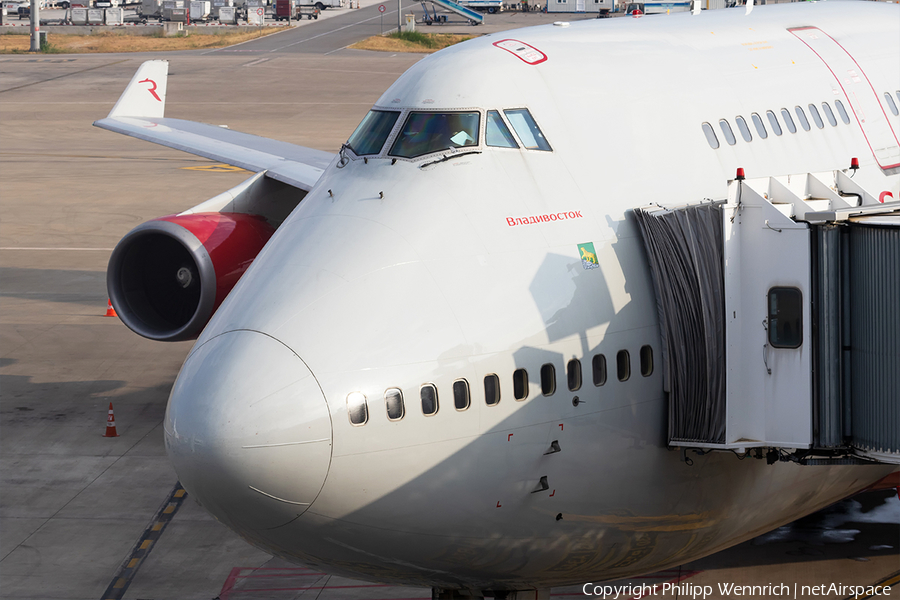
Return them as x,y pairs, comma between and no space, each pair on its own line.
391,275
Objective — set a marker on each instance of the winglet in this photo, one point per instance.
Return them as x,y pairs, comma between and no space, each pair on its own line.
145,96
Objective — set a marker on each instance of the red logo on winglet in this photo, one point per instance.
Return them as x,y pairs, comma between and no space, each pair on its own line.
152,89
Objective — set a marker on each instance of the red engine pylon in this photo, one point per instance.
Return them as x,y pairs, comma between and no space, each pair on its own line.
110,424
110,311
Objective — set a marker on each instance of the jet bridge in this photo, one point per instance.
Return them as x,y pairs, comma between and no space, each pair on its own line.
780,318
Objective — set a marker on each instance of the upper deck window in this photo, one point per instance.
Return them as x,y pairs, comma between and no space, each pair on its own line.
527,130
424,133
371,134
496,133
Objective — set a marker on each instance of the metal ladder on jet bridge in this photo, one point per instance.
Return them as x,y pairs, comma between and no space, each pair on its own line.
473,16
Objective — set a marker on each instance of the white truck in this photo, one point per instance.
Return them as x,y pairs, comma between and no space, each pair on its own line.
322,4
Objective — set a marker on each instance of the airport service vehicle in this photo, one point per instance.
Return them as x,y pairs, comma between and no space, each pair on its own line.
321,4
284,9
488,6
449,354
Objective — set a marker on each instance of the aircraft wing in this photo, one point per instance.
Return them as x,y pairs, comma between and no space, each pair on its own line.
139,113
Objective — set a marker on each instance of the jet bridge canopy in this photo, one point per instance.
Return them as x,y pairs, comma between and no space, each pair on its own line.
778,309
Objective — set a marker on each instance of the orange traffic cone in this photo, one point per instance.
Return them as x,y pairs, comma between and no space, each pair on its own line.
110,311
110,424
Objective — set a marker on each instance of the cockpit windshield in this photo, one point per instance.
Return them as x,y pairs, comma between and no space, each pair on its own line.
371,134
426,132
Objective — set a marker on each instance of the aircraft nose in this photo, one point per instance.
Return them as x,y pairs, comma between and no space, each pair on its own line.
248,431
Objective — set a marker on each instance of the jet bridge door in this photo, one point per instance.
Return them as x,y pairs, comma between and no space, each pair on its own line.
856,88
767,323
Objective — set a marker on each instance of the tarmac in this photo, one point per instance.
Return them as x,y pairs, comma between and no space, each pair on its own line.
83,516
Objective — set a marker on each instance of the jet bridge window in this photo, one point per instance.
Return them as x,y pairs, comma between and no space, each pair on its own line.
372,132
491,390
829,114
527,129
520,384
424,133
461,394
428,394
773,121
842,111
785,317
788,120
393,402
890,102
711,138
496,132
357,408
760,126
548,379
573,375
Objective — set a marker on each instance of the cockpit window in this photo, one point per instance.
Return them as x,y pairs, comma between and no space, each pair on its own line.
527,130
371,134
497,133
424,133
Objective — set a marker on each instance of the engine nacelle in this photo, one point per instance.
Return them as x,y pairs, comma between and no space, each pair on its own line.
167,277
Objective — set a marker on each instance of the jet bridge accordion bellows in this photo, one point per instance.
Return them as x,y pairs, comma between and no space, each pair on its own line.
684,248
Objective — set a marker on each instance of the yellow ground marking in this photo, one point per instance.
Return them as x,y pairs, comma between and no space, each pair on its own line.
222,168
180,493
144,546
158,526
133,563
169,509
120,582
890,582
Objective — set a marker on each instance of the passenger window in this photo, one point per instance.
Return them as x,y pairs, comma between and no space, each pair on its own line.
773,121
496,132
623,365
428,394
646,361
726,131
491,390
891,105
815,115
785,317
520,384
393,402
598,365
788,120
801,116
760,126
527,130
372,132
461,394
573,375
548,380
742,127
829,114
842,111
711,138
424,133
357,408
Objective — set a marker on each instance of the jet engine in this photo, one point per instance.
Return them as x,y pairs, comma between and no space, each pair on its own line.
167,276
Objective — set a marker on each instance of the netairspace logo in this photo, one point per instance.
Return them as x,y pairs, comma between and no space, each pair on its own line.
727,590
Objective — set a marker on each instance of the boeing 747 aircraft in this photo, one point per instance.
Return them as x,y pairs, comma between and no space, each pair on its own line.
437,357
